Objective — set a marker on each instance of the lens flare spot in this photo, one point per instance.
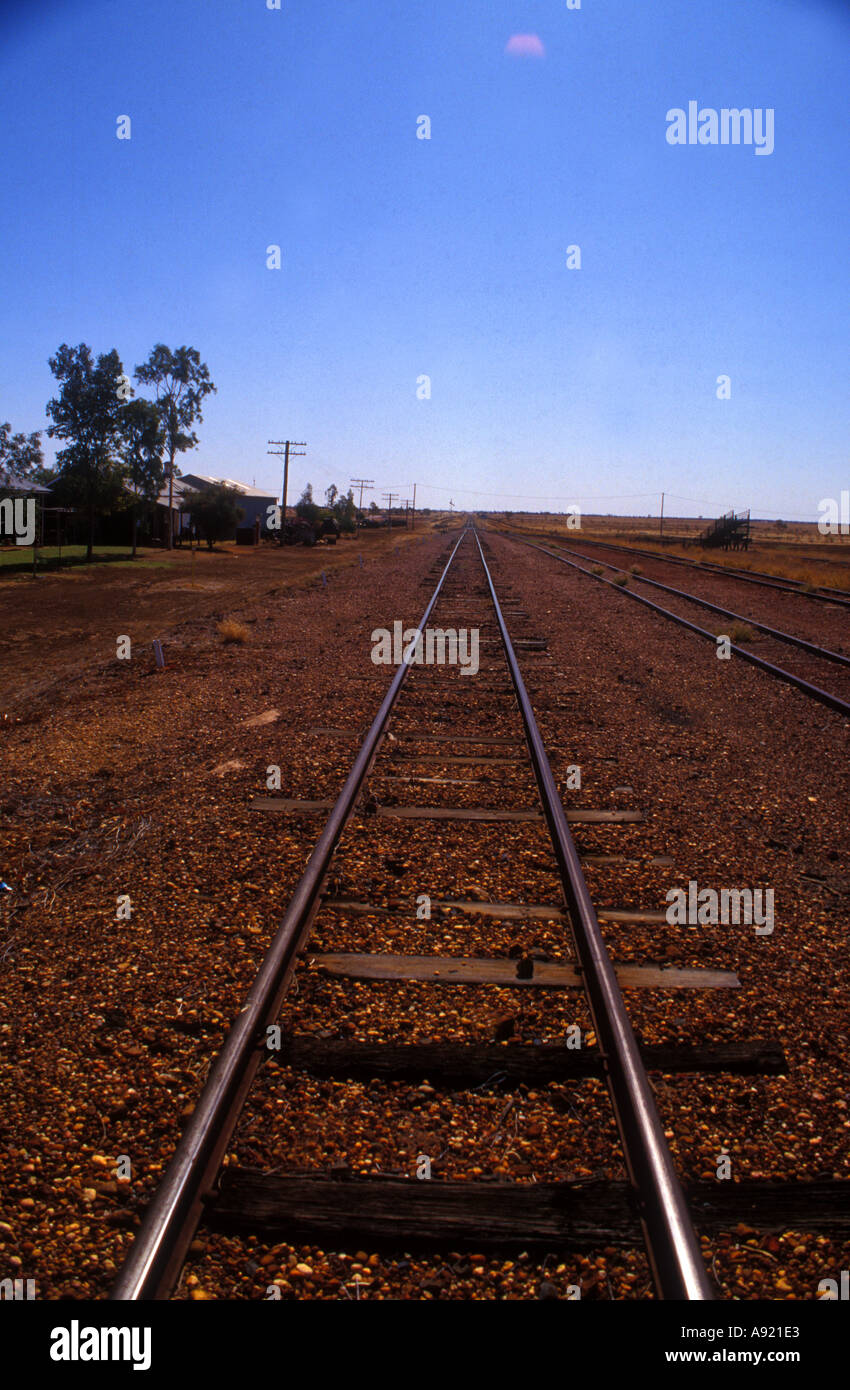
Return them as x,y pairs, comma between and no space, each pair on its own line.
525,46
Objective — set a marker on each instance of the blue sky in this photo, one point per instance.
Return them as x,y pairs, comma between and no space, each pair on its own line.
446,257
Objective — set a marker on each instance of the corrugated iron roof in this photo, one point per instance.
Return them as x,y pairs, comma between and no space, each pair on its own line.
244,488
10,482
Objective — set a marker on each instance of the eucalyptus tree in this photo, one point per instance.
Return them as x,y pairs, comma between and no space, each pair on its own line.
181,381
143,439
20,455
87,414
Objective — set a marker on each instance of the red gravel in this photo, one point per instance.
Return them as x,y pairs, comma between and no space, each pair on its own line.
113,788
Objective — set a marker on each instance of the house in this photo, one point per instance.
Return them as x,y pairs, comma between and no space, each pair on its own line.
179,511
15,497
21,487
254,501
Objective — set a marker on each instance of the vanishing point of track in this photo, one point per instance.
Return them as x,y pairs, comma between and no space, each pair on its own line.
189,1189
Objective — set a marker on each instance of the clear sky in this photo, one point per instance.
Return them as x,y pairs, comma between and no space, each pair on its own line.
403,257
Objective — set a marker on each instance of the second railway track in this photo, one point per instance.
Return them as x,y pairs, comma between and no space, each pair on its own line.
814,669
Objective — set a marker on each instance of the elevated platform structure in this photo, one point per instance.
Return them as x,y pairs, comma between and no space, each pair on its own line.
729,532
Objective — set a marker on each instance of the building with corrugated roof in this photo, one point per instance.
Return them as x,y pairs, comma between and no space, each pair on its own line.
254,501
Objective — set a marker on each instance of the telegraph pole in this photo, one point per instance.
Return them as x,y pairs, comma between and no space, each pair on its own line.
661,529
389,498
361,483
290,450
413,513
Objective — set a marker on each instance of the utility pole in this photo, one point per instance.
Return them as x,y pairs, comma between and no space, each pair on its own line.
290,450
389,498
413,513
361,483
661,529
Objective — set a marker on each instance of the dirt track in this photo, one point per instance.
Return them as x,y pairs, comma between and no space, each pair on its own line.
67,620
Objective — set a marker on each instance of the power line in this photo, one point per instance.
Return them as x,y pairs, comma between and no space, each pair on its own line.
361,483
290,450
547,497
602,497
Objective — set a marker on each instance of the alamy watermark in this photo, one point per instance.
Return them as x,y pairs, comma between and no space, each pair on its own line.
17,518
834,519
831,1289
728,126
436,646
16,1290
83,1343
729,907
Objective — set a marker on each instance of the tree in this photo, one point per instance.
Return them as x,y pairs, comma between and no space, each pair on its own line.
331,495
345,511
215,511
21,456
307,508
87,413
143,439
373,507
182,381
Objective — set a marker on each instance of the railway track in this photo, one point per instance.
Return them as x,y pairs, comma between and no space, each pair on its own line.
840,702
820,593
437,734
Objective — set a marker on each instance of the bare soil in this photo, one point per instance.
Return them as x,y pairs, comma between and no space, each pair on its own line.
121,782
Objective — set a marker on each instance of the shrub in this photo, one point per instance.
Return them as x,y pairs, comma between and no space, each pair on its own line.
231,631
215,511
621,580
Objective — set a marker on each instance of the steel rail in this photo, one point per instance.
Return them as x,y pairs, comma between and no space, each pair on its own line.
824,652
672,1247
814,692
840,597
153,1264
779,581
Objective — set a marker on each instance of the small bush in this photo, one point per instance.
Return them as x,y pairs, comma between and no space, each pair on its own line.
739,632
635,569
621,580
231,631
597,569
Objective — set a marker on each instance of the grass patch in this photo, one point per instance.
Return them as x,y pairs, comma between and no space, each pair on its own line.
70,554
739,632
231,631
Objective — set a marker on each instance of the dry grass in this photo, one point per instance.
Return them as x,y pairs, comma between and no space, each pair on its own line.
785,550
231,631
